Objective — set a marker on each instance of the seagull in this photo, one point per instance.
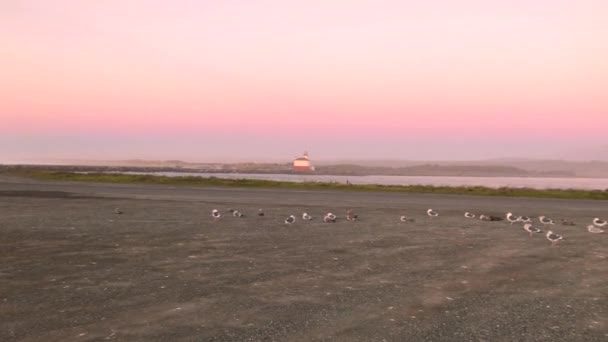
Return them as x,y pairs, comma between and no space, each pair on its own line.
528,227
469,215
260,212
545,220
567,222
599,223
406,219
306,217
432,213
593,229
525,219
484,217
350,215
237,213
216,214
554,238
512,219
329,218
117,211
290,220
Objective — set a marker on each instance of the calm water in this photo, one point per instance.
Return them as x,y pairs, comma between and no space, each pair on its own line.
493,182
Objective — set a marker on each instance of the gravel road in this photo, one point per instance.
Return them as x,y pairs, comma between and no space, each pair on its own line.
73,270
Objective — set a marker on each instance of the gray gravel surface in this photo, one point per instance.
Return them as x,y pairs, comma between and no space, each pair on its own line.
73,270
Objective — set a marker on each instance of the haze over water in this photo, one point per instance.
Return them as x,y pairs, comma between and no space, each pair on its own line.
265,80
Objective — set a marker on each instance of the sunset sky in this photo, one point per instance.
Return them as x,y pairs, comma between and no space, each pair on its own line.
268,79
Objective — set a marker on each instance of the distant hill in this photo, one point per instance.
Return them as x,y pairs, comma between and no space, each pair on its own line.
528,167
439,170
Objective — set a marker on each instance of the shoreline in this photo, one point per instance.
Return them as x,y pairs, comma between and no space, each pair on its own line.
424,170
122,178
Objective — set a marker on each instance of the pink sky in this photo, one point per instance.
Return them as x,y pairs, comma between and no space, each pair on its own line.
344,79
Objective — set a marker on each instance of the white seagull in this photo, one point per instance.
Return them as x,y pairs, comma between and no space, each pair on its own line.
511,218
599,223
237,213
469,215
593,229
554,238
216,214
484,217
406,219
290,220
117,211
329,218
532,230
525,219
432,213
545,220
306,217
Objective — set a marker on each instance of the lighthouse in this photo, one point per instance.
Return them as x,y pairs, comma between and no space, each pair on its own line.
303,163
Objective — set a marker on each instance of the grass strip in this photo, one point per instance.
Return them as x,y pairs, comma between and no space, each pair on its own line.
122,178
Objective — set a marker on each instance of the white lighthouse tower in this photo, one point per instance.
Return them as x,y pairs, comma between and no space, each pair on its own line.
303,163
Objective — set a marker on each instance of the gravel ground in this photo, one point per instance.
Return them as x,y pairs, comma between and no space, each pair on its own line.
73,270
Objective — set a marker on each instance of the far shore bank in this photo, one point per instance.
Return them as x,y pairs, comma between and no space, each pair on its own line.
422,170
101,177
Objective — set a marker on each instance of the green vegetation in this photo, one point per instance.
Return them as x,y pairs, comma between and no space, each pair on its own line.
254,183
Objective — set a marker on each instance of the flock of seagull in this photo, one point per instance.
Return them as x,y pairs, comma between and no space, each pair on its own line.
553,237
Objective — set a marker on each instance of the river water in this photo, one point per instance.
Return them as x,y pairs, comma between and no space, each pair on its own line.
491,182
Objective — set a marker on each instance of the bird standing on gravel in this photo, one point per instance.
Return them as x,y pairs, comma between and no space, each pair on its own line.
216,214
117,211
554,238
306,217
432,213
237,213
593,229
525,219
532,230
511,218
350,215
404,218
290,220
469,215
330,218
599,223
260,213
545,220
484,217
